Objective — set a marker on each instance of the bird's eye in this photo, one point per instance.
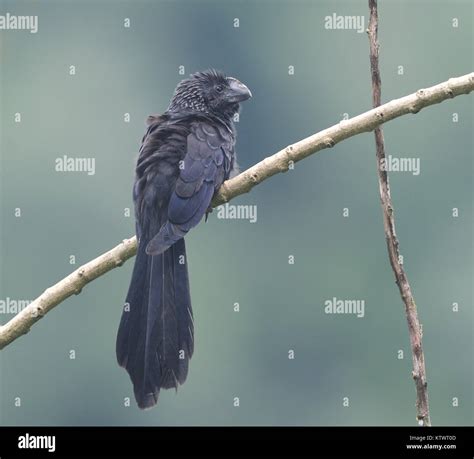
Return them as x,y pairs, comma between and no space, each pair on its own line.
219,88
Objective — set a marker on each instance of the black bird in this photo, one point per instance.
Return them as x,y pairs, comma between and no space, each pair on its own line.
185,156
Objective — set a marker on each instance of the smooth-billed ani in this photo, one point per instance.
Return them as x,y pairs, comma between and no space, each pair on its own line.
185,156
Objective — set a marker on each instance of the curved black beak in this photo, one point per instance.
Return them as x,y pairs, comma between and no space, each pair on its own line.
237,91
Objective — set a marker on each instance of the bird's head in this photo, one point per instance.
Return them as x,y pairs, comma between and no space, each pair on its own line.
210,92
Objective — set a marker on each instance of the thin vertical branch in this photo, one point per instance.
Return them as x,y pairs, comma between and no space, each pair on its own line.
414,329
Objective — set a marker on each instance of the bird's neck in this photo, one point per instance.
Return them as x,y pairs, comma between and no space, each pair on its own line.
226,119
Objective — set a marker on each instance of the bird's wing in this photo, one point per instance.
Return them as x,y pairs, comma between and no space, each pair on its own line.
146,157
205,166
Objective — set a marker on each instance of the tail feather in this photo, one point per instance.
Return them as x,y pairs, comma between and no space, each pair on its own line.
155,339
183,307
167,346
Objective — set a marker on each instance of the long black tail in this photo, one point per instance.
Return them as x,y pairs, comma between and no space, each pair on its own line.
156,335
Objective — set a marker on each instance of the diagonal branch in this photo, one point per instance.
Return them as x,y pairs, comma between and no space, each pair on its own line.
243,183
414,329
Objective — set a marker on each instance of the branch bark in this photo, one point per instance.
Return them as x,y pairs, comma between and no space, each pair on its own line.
414,329
243,183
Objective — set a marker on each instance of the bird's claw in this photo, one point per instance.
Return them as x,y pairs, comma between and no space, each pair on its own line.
208,211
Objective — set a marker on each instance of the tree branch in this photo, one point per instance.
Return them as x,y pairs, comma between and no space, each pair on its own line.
414,329
70,285
243,183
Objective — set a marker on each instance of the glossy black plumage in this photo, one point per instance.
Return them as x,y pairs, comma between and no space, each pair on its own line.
186,155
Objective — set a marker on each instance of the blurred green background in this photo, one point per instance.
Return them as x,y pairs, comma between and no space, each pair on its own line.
240,354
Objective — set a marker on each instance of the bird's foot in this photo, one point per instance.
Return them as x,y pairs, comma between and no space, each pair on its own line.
208,211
